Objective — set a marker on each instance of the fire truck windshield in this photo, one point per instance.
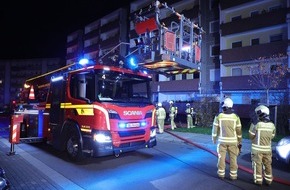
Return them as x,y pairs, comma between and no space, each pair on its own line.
115,86
110,86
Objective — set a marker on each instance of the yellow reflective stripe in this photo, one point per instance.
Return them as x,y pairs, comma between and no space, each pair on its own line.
82,111
261,148
86,109
47,106
69,105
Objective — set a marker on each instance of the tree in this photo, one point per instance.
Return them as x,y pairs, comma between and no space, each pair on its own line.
268,72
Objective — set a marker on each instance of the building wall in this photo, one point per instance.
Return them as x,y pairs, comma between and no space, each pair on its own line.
15,72
251,30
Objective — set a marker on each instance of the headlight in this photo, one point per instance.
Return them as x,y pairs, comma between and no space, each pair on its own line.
283,142
102,138
283,151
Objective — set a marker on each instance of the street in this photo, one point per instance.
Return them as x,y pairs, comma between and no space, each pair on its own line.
172,164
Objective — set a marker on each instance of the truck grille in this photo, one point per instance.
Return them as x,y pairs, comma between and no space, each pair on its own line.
131,144
131,133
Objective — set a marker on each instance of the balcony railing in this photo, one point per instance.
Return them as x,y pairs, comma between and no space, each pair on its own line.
91,48
241,83
251,23
253,52
176,85
92,34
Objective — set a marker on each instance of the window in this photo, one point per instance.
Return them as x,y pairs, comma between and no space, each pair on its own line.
276,38
215,51
214,26
236,72
214,75
275,8
237,44
255,41
237,18
254,13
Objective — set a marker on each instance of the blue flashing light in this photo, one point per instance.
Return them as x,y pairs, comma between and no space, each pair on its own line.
83,61
132,63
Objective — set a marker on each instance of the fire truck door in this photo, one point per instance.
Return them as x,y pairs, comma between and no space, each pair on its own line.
56,114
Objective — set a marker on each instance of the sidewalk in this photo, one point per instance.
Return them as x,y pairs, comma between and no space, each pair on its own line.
21,174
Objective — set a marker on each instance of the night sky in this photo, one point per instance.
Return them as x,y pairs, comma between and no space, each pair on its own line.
38,28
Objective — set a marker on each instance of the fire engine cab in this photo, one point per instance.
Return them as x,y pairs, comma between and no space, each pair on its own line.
95,109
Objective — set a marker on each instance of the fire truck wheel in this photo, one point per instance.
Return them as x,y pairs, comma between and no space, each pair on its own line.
73,146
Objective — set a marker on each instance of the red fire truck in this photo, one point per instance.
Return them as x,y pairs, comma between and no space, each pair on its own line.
95,109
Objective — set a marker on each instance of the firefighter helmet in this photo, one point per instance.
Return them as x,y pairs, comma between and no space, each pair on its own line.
262,111
170,102
188,104
228,103
159,104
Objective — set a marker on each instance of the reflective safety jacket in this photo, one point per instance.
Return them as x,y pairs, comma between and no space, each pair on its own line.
227,129
173,111
189,111
161,113
261,135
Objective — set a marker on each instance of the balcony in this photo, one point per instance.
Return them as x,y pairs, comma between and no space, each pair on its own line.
253,52
91,48
92,34
225,4
110,26
176,85
110,42
231,84
251,23
72,43
72,55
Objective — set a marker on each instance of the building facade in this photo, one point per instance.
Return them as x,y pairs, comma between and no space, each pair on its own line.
235,34
98,38
13,74
251,32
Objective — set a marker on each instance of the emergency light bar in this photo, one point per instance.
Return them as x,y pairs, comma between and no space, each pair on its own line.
83,61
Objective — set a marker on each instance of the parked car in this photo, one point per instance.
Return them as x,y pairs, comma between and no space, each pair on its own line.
4,183
283,150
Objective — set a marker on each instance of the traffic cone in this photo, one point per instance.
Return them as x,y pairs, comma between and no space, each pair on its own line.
31,93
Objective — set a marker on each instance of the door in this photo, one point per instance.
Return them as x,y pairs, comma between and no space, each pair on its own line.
56,113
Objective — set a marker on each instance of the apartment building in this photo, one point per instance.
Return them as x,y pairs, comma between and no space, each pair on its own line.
250,30
13,74
98,38
234,34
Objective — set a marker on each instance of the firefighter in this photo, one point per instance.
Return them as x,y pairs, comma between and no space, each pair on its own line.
261,133
227,130
172,114
189,114
161,115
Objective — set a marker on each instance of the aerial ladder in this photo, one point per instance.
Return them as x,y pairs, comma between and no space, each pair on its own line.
165,49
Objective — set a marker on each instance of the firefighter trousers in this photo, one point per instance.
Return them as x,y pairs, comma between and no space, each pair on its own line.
189,121
172,123
160,123
233,151
262,161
